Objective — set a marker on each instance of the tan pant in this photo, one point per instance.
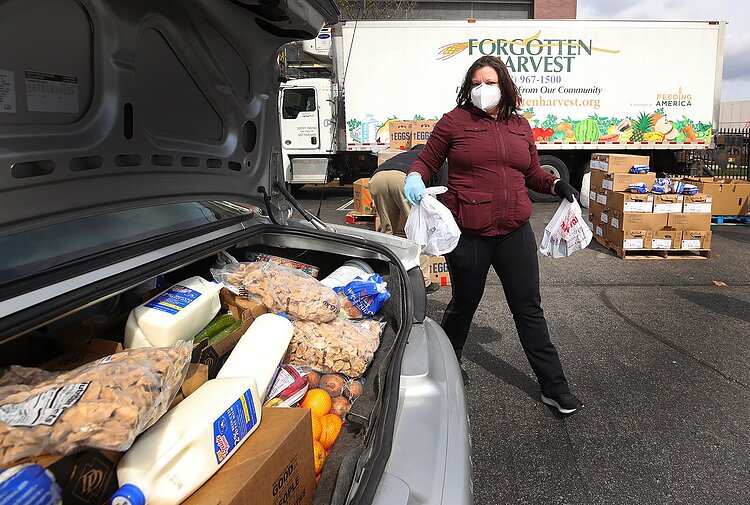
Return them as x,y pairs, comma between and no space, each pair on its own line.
387,190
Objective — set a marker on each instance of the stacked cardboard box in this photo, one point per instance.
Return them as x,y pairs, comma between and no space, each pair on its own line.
406,134
363,202
729,196
400,133
628,221
421,131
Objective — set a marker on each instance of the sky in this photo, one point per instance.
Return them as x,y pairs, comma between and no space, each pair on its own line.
736,82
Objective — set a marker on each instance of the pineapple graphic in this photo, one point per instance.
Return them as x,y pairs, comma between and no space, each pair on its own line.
640,126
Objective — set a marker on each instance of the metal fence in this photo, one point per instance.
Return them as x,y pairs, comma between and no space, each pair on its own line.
729,158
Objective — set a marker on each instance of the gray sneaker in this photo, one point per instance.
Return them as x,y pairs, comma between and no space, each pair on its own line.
566,403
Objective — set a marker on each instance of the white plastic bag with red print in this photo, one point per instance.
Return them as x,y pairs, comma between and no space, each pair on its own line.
566,233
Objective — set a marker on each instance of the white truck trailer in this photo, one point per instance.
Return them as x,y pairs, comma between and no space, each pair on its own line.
587,86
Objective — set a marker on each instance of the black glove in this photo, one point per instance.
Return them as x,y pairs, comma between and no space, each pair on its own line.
565,190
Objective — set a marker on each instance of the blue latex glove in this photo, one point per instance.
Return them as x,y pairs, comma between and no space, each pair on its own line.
414,188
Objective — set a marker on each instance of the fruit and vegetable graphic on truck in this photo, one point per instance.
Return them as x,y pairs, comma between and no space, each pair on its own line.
586,86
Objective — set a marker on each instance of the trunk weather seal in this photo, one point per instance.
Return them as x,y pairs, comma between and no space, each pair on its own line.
82,265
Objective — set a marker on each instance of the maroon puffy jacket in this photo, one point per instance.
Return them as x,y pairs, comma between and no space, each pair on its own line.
490,164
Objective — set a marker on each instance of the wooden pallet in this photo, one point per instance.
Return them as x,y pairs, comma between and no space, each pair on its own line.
655,254
730,219
667,254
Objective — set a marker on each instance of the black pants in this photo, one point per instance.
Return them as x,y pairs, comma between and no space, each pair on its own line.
514,259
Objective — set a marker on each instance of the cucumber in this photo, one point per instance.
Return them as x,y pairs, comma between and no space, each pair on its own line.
224,333
218,323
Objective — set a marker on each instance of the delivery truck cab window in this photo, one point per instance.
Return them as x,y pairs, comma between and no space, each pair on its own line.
296,101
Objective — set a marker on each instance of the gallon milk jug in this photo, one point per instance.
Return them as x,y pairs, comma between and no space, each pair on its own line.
192,441
178,313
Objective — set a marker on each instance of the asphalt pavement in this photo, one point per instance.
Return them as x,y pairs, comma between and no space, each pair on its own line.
658,350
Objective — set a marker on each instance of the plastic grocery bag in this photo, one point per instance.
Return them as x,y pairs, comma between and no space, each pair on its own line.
431,225
104,404
363,297
341,346
566,233
281,289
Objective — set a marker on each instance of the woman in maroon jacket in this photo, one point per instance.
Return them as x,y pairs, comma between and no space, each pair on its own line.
492,160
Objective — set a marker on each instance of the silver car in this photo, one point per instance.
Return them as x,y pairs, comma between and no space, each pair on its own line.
138,139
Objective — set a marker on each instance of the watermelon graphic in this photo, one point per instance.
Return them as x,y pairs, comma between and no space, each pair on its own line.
587,131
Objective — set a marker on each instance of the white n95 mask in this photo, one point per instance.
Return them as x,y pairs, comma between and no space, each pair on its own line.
485,96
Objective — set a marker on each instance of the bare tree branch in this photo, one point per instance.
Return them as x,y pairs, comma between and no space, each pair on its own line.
375,9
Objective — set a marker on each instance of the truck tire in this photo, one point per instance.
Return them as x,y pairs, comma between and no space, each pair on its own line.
556,167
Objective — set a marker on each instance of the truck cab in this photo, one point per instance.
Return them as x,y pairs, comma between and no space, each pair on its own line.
308,128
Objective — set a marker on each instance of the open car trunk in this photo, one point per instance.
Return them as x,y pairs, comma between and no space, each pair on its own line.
363,444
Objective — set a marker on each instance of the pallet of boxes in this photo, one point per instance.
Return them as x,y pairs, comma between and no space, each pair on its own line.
639,216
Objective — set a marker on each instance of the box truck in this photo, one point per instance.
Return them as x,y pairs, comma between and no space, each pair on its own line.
642,87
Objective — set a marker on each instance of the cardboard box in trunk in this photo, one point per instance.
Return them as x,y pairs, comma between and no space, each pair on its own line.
197,375
85,478
400,133
666,238
80,353
620,182
631,239
695,222
363,203
693,239
421,131
630,202
666,204
274,466
699,203
241,308
215,354
616,163
729,196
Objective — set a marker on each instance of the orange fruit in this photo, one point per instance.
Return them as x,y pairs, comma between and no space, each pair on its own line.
319,456
318,401
317,427
331,429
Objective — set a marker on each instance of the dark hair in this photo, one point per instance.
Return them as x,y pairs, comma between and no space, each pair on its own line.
510,97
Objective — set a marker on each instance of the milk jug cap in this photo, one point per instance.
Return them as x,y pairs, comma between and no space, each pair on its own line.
128,494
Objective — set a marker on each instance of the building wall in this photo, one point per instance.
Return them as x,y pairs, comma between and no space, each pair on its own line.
734,114
555,9
491,9
518,9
